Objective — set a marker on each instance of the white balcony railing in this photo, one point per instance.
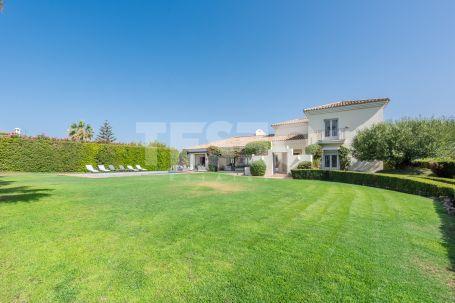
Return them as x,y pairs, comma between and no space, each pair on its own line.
333,135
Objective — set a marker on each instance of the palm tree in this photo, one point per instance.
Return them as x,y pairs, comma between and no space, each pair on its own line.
80,131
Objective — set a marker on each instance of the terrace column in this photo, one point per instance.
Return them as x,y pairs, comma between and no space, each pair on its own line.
192,160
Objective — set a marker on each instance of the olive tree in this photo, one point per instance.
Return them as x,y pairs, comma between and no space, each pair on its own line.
401,142
316,151
257,148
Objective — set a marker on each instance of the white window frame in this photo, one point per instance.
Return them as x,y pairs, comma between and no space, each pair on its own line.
333,131
331,162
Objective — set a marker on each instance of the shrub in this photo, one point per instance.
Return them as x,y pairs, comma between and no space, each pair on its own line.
305,165
258,148
53,155
411,185
444,169
258,168
441,167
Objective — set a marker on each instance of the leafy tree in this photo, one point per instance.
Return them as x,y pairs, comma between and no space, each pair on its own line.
233,152
316,151
345,158
401,142
257,148
214,150
183,158
80,132
174,156
1,5
106,135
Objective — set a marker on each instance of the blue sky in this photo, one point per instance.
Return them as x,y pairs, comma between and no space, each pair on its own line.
204,61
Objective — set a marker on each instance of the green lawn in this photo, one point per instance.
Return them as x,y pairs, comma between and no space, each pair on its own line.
209,237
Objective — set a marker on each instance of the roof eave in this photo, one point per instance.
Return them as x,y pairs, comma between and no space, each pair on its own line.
379,103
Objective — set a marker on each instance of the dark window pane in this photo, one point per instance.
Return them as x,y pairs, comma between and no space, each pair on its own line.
334,160
327,161
327,128
334,128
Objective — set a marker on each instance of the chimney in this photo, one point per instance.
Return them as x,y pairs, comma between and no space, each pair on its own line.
260,132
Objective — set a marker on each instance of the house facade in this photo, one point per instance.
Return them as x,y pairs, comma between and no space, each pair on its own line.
330,125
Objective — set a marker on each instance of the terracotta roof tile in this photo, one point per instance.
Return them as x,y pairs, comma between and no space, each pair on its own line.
293,121
347,103
241,141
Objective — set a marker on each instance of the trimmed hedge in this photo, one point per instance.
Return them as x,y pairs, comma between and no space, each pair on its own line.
410,185
52,155
438,179
305,165
441,167
257,168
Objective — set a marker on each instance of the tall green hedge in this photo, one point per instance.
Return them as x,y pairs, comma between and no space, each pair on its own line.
442,167
51,155
411,185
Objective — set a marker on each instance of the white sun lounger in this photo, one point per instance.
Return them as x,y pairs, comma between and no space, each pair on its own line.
91,169
121,168
103,169
111,167
131,168
140,168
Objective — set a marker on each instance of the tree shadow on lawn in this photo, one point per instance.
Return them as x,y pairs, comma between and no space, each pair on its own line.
21,193
448,231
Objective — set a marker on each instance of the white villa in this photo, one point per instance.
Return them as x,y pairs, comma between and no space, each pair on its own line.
330,125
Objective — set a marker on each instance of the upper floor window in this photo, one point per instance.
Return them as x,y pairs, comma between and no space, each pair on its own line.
297,152
331,127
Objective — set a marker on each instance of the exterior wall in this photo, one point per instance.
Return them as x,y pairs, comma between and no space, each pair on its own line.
284,146
293,161
222,162
291,129
366,166
351,121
